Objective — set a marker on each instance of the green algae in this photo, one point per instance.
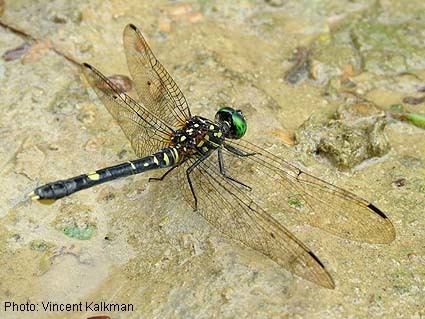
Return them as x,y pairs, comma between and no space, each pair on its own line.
40,245
416,119
82,233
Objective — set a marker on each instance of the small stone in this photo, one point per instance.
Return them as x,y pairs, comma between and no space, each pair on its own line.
400,182
16,53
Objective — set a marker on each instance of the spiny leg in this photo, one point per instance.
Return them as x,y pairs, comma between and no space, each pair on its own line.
163,176
190,170
237,151
223,171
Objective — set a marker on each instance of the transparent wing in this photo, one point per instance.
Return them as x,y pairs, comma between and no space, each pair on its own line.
145,131
154,85
228,208
308,198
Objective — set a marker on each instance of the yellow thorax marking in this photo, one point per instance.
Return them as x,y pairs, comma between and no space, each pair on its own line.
176,154
166,159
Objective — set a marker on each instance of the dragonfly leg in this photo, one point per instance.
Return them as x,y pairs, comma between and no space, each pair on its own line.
151,179
223,171
237,151
190,170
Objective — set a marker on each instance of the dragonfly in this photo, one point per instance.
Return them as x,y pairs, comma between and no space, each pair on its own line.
226,179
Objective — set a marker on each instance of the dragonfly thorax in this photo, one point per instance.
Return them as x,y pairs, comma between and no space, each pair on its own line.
198,136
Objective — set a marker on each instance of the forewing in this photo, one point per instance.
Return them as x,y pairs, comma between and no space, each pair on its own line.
145,131
308,198
229,208
154,85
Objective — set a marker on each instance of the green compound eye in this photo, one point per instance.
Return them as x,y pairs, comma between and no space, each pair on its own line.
239,124
234,120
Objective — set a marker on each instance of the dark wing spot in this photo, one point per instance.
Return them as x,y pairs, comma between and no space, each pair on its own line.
88,66
376,210
273,236
133,26
316,259
149,82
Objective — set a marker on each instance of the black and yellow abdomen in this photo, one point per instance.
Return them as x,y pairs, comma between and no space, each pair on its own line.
165,158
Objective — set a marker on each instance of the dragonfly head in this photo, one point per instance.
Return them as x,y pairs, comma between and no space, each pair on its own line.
232,121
